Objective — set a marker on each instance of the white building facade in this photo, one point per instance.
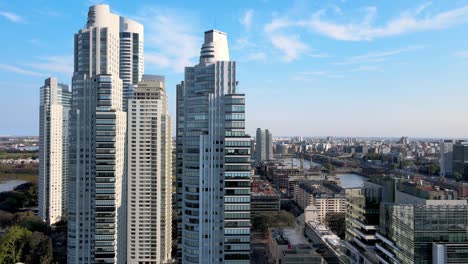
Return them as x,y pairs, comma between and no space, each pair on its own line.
97,206
216,159
54,107
149,170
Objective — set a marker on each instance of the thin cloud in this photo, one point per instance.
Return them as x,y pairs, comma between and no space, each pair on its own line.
291,46
12,17
376,56
18,70
171,39
246,19
407,22
255,56
53,65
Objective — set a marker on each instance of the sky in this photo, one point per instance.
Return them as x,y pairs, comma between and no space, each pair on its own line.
308,68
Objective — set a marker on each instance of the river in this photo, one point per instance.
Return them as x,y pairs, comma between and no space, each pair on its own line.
10,185
351,180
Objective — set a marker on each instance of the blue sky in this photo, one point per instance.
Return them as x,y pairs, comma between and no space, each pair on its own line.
310,68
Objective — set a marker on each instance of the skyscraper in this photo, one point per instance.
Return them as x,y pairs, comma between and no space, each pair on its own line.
149,170
264,146
216,159
131,56
179,162
54,107
260,149
446,157
96,225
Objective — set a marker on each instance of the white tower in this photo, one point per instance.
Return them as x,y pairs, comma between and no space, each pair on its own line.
149,170
54,109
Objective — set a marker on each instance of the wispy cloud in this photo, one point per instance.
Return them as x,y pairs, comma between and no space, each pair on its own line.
407,22
171,39
376,56
246,19
291,46
19,70
309,74
463,55
53,65
12,17
254,56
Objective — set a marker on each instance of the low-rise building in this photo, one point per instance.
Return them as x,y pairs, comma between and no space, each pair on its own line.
326,197
288,246
264,198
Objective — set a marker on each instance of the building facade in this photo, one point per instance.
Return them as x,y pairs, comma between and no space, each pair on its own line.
54,108
149,169
308,193
97,193
215,160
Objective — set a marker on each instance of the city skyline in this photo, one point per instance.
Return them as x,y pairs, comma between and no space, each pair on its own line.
374,70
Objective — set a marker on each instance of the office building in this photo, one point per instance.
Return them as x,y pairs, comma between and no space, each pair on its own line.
264,198
97,206
362,223
149,169
216,159
429,231
460,158
264,145
54,107
446,158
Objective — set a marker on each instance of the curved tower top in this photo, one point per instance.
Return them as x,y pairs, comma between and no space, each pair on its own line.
215,47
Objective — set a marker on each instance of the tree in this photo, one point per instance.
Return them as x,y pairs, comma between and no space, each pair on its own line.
336,222
13,243
39,249
6,219
458,176
262,221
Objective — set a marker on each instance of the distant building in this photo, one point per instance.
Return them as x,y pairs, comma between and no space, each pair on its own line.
54,108
446,158
264,198
288,246
264,145
460,158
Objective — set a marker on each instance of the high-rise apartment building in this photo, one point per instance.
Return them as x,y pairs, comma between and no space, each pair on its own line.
215,159
131,56
54,107
97,211
179,162
446,158
149,170
264,145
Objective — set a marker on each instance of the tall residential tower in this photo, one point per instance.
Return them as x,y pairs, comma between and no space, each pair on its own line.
149,170
264,145
54,108
215,159
97,211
